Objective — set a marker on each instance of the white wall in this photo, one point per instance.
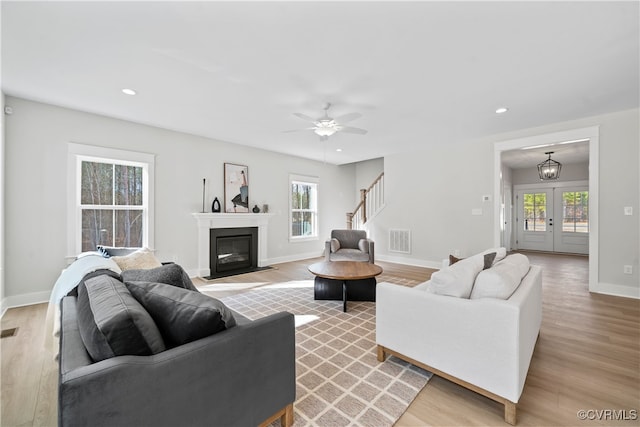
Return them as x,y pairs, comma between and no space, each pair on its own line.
366,173
433,192
35,198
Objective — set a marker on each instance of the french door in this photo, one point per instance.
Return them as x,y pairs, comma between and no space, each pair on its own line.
553,219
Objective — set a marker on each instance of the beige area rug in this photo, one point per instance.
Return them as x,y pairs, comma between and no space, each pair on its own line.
339,379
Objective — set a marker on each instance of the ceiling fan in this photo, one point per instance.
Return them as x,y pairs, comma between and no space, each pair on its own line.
326,126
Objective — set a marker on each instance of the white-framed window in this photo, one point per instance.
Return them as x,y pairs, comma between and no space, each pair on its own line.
110,198
303,208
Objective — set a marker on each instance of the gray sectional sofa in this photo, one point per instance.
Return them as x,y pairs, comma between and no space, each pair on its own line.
242,375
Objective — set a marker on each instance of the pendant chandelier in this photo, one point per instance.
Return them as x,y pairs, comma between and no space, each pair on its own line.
549,169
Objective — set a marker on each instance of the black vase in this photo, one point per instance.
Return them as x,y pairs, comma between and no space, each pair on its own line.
215,206
256,209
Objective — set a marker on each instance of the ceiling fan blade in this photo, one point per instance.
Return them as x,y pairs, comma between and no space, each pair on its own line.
347,117
305,117
350,129
296,130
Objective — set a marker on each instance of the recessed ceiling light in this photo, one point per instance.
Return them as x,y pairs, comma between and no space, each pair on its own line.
502,110
338,149
128,91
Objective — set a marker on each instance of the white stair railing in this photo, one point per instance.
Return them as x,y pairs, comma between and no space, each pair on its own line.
371,202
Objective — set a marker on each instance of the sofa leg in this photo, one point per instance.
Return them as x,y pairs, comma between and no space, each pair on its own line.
287,417
381,355
510,412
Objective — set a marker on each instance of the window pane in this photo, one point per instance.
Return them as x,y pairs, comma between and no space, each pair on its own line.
535,207
295,196
575,211
307,223
305,197
302,224
129,228
97,226
296,224
96,184
128,184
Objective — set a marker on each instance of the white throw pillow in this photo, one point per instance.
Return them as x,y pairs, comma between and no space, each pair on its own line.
140,259
501,280
363,245
457,280
335,245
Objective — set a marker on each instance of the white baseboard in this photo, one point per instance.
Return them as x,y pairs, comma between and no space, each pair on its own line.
617,290
409,261
25,299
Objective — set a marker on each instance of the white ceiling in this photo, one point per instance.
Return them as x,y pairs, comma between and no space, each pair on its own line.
421,73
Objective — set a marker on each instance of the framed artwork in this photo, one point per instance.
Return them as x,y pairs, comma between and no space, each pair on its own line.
236,188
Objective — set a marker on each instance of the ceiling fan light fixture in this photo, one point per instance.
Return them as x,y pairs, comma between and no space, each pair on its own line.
549,169
324,131
325,128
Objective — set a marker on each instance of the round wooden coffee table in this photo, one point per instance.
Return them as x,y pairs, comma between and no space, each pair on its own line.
357,275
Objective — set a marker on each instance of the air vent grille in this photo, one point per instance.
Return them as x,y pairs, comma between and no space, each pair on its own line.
400,241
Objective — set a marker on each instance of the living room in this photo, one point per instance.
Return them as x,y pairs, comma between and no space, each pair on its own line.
430,189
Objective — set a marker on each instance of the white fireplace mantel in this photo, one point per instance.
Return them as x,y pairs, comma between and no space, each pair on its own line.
207,221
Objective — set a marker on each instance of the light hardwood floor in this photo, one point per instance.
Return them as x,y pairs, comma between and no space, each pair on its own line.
586,358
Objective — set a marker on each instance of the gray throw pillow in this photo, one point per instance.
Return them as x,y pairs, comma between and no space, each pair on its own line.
170,274
488,260
182,315
112,322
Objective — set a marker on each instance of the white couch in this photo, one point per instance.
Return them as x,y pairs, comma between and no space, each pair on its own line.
484,344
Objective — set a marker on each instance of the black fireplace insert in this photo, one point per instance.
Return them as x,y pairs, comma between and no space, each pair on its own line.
233,251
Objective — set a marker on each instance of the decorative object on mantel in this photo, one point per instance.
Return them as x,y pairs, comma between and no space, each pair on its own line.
256,209
265,208
236,188
215,206
549,169
204,181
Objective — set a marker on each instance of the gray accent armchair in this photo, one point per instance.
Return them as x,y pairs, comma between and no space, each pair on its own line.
352,245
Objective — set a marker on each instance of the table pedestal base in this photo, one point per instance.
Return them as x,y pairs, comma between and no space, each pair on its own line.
344,290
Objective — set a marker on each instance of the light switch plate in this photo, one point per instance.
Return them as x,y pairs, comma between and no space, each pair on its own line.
476,211
628,210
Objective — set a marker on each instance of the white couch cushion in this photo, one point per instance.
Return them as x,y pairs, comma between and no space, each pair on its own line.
501,280
457,280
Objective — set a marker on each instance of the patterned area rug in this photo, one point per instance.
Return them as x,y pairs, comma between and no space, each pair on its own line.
339,380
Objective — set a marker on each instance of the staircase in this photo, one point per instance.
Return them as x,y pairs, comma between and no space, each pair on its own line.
371,202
